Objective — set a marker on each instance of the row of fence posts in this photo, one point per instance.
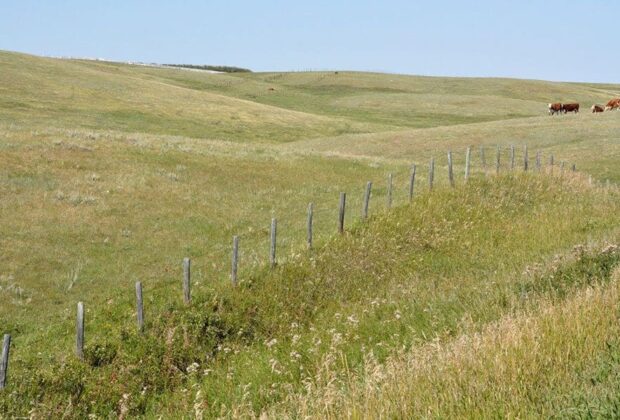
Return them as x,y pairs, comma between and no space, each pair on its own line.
4,361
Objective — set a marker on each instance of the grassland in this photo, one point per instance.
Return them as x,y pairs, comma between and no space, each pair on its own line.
112,173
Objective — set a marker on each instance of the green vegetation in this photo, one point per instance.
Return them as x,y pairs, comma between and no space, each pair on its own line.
113,173
223,69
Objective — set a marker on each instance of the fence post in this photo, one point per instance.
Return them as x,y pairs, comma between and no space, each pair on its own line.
467,163
512,156
4,362
309,225
272,248
235,260
573,168
411,182
450,173
341,208
525,158
79,342
497,159
187,294
431,174
483,159
551,163
538,161
139,307
366,200
389,191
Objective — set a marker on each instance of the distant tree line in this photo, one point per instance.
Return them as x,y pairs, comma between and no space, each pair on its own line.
225,69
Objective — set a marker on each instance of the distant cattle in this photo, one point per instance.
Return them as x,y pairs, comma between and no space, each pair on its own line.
570,108
613,104
555,108
596,108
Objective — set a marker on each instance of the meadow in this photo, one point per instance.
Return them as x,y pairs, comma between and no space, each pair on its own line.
455,304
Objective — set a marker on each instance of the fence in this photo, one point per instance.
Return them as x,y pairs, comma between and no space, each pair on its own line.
186,264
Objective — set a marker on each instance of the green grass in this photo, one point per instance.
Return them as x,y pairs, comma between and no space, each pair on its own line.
113,173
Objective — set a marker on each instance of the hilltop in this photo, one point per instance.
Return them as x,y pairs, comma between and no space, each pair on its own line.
113,173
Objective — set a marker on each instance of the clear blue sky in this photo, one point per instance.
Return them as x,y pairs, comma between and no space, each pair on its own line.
573,40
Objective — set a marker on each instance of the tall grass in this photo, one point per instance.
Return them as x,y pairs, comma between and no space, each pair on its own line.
558,360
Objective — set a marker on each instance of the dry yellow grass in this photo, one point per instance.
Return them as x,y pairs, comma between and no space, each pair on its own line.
546,362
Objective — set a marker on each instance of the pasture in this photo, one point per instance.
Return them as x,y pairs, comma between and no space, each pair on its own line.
112,174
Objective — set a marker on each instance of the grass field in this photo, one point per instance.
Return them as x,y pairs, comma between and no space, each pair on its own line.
111,173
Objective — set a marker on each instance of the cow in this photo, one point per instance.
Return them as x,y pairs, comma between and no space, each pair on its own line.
596,108
555,108
570,108
613,104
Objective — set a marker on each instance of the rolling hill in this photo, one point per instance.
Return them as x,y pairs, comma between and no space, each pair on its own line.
112,173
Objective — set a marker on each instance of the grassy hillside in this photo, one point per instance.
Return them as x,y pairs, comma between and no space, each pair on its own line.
113,173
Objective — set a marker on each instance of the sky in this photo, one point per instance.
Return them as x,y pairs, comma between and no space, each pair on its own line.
569,40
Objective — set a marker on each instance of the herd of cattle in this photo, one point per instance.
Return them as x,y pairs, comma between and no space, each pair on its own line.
559,108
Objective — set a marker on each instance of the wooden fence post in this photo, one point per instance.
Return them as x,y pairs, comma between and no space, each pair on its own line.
483,159
497,159
411,182
467,163
512,156
139,307
235,260
341,209
366,200
272,248
309,225
573,168
538,161
431,174
551,163
525,158
79,342
389,191
187,294
450,172
4,362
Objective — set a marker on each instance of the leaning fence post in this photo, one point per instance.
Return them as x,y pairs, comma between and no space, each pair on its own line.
4,362
272,247
187,294
450,173
525,158
497,159
431,173
411,182
235,260
467,162
139,307
79,342
483,159
512,156
341,208
389,191
309,225
366,200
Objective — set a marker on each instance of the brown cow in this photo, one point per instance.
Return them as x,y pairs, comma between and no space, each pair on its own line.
613,104
570,108
555,108
596,108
